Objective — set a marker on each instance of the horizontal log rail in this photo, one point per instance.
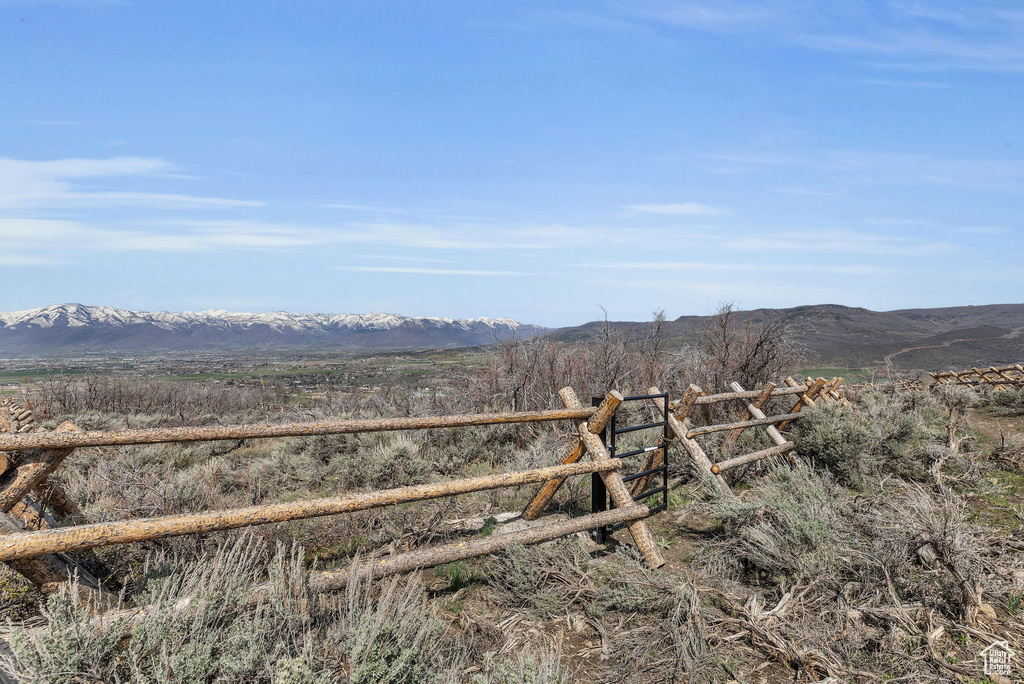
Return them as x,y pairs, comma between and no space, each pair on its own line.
65,440
333,580
783,448
770,420
77,538
751,394
730,396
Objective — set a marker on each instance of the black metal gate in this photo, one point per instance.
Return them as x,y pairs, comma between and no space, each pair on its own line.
599,494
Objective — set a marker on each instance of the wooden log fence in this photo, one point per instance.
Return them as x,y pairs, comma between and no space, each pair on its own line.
1004,377
472,548
596,424
681,417
32,542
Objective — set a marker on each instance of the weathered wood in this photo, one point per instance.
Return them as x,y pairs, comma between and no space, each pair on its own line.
773,432
32,468
425,558
760,398
705,408
50,571
784,418
751,457
829,390
596,424
64,440
747,394
32,514
46,570
806,399
685,405
29,544
678,429
332,580
605,411
613,483
51,495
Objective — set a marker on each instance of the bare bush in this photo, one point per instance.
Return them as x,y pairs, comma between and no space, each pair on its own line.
546,580
127,397
748,353
520,375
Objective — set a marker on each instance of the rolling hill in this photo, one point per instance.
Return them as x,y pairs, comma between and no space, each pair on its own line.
842,336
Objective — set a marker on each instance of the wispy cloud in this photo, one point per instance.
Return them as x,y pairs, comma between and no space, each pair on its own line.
891,83
432,271
53,240
364,208
841,242
704,267
931,36
842,167
983,230
680,209
726,16
28,184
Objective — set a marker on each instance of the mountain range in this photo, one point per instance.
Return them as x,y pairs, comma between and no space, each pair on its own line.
833,335
68,328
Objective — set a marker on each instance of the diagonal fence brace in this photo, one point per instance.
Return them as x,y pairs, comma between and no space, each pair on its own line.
615,485
596,424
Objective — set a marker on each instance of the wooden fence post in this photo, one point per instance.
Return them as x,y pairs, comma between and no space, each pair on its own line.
756,404
806,399
596,424
616,487
30,469
773,432
677,423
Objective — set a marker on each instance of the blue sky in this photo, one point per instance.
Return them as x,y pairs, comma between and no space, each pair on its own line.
532,160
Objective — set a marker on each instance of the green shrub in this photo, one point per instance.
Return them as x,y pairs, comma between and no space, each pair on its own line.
395,461
1008,402
838,439
787,525
458,574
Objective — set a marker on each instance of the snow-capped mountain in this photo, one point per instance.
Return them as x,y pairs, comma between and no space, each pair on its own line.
69,327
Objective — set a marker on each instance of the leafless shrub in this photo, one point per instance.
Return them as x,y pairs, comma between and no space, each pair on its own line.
527,374
748,353
181,402
956,400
